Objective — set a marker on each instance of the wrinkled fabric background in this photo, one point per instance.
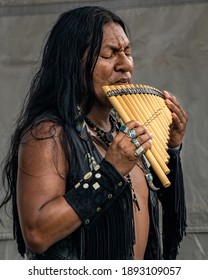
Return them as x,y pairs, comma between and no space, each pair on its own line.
170,49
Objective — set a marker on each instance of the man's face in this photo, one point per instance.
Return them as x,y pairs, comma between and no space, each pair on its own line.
115,63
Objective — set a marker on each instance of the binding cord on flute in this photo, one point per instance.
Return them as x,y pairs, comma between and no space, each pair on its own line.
146,105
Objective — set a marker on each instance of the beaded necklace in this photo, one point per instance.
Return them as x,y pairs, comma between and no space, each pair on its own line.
106,138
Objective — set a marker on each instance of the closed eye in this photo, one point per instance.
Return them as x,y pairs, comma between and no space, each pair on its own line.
112,51
107,56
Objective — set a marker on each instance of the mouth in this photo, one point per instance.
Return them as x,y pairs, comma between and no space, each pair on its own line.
122,81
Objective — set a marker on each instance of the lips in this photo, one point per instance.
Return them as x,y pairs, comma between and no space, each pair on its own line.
122,81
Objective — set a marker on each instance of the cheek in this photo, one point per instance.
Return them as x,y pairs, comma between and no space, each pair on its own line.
102,74
97,77
97,81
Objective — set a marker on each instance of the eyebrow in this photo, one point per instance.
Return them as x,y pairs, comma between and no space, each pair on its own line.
113,48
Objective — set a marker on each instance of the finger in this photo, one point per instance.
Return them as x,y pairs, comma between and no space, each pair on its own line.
137,143
181,115
175,106
130,126
175,121
171,99
142,138
147,145
138,152
177,124
134,133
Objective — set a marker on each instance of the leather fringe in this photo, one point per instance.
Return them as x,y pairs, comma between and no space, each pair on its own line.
174,209
99,241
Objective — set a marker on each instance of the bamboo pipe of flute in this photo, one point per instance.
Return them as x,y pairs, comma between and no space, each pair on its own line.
158,152
126,118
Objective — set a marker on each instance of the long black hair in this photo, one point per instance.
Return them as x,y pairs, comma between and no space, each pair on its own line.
62,84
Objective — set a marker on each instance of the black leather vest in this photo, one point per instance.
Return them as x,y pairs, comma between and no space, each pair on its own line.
78,245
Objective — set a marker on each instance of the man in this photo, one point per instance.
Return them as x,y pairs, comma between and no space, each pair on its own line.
78,186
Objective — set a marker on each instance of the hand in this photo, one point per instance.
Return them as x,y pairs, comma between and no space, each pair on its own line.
179,120
121,151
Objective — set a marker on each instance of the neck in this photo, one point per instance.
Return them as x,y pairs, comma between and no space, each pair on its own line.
105,136
101,119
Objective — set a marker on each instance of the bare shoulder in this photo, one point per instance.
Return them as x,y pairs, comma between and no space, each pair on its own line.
41,150
42,131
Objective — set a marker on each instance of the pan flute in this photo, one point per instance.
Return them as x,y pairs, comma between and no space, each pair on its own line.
145,104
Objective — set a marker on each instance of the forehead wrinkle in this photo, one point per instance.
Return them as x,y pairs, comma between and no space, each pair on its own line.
115,40
113,48
116,44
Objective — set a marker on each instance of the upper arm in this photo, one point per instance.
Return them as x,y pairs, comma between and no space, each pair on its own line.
42,169
45,216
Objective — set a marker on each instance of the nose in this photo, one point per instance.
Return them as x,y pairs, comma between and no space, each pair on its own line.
124,63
